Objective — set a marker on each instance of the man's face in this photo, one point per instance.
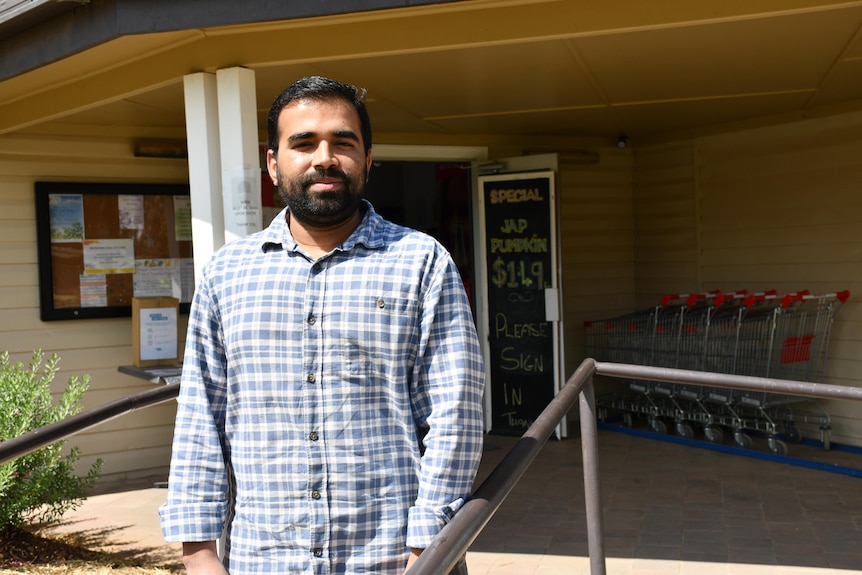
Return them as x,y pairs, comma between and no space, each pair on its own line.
321,165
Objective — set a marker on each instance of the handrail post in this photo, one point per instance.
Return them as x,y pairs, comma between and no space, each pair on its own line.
592,486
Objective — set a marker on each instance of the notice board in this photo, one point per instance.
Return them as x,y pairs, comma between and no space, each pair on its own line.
102,244
520,255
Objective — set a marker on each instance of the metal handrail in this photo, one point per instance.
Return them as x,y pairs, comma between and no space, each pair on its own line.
745,382
456,537
37,438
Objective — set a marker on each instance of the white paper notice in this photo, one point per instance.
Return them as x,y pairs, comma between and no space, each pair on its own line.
131,209
114,256
158,277
94,290
242,201
158,333
187,279
183,218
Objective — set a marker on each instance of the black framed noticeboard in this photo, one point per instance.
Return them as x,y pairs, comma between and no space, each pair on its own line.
101,244
520,258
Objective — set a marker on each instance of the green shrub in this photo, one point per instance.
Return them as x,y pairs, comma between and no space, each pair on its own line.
42,485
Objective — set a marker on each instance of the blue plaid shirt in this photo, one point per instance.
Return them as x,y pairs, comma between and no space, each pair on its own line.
304,383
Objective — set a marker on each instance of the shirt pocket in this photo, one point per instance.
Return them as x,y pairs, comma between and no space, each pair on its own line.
375,335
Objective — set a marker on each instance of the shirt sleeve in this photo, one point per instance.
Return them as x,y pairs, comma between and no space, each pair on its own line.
197,501
447,392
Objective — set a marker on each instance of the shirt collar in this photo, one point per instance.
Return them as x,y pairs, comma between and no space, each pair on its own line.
368,233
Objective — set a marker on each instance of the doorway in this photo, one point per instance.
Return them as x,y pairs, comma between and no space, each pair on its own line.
432,197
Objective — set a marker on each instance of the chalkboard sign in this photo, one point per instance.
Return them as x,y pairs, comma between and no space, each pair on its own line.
521,271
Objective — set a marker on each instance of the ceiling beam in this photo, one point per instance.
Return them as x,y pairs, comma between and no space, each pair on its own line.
38,37
106,74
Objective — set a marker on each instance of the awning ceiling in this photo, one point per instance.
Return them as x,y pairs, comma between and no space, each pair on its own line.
550,68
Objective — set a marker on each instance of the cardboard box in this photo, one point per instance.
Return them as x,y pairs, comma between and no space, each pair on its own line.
155,331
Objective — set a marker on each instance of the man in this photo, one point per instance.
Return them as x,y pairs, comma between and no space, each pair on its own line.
318,351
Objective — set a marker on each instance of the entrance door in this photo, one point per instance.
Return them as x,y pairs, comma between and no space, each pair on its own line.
432,197
520,304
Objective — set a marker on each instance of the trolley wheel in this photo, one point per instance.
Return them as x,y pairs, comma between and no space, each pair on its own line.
741,439
791,433
713,434
657,425
777,446
683,429
628,420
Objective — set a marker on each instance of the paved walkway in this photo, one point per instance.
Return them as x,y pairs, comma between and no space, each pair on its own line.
669,509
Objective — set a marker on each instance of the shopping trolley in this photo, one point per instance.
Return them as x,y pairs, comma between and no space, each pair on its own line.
657,338
625,339
761,334
796,349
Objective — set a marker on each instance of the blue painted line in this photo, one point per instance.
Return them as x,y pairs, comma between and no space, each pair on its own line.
834,446
765,455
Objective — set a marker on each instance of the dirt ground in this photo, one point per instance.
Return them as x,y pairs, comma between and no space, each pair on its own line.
24,551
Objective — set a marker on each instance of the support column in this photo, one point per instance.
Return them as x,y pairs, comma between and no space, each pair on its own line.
202,134
224,165
240,155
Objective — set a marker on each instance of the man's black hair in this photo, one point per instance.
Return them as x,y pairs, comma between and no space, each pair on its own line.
318,88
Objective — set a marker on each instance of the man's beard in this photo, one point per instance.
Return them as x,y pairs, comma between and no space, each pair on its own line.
322,208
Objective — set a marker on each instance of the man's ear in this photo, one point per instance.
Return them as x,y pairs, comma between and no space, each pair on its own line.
367,166
272,166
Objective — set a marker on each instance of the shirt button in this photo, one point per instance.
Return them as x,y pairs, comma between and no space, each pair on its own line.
310,378
318,552
311,320
315,494
313,436
381,303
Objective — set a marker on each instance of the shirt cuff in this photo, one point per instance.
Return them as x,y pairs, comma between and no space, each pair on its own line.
200,522
423,523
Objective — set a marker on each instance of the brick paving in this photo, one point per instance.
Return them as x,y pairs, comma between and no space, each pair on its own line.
668,508
672,508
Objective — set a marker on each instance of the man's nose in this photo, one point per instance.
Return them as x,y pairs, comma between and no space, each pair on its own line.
323,156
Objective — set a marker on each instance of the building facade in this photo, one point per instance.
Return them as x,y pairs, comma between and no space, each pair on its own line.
695,148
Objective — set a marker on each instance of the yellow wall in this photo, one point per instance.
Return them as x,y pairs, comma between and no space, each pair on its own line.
666,225
135,446
770,208
596,244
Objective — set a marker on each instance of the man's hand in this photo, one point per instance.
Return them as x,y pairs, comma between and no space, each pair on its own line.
201,558
414,554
